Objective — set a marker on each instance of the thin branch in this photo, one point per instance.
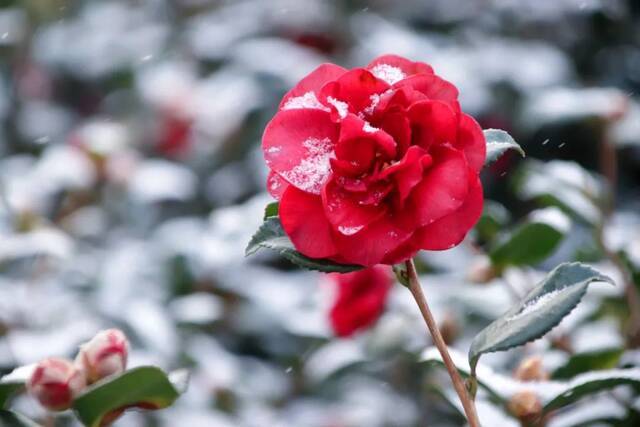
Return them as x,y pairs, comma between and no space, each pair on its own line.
458,383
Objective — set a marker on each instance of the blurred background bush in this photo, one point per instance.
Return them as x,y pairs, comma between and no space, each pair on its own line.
131,179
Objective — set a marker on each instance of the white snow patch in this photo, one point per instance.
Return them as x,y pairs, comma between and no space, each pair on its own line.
368,128
274,184
538,303
308,100
349,231
554,217
341,106
312,172
388,73
375,100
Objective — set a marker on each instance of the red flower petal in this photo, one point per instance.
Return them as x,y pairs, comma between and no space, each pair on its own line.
354,128
432,86
406,251
407,173
357,87
471,141
314,81
276,185
361,298
397,125
450,230
347,216
406,66
443,188
373,243
432,122
399,99
298,145
302,217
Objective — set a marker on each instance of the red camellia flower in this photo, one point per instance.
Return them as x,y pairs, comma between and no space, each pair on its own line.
361,298
373,164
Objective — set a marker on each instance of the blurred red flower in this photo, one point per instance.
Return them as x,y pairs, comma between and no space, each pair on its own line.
106,354
373,164
55,383
361,298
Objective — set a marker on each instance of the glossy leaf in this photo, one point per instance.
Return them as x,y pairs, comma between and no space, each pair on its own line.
146,387
538,312
14,419
564,184
271,210
494,218
14,383
589,361
270,235
552,394
593,382
532,241
7,390
499,142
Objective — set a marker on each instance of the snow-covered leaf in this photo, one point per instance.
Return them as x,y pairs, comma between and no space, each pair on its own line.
538,312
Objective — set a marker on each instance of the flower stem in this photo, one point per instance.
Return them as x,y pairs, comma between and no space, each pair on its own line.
458,383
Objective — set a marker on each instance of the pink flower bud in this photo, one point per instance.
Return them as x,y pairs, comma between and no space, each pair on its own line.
525,405
106,354
55,383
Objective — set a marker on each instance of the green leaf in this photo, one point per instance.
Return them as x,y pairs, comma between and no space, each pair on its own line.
147,387
593,382
271,210
270,235
7,390
431,356
494,218
498,142
552,394
538,312
532,241
14,383
14,419
564,184
589,361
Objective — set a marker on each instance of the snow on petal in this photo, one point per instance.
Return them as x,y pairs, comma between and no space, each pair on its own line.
349,231
308,100
388,73
368,128
314,170
341,106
